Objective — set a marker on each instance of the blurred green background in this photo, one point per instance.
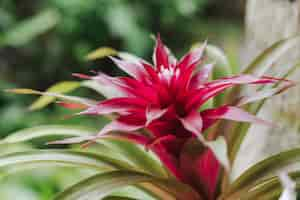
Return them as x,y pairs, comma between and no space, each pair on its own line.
44,41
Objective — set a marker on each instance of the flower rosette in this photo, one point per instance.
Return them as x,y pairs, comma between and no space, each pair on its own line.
159,106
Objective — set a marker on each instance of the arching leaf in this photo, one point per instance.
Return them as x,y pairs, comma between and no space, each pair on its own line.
266,168
268,188
101,53
45,131
99,186
61,87
22,160
132,153
270,56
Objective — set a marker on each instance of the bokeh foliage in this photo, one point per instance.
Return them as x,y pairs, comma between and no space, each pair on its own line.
42,42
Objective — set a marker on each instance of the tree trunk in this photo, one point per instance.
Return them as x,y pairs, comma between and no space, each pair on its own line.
268,21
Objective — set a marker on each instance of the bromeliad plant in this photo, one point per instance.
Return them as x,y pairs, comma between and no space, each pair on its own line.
172,109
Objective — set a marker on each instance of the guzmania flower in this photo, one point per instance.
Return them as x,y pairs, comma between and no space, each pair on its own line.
158,106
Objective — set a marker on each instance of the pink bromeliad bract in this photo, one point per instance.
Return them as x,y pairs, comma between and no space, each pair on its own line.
164,99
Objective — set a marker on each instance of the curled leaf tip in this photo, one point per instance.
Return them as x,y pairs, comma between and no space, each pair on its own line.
101,52
22,91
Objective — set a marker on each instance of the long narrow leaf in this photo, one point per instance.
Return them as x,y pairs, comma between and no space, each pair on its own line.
83,101
239,133
135,155
269,188
45,131
21,160
99,186
61,87
118,198
101,52
266,168
271,55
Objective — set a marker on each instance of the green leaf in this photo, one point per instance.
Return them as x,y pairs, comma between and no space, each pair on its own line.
31,28
269,188
101,52
137,156
217,55
61,87
99,186
132,153
239,133
118,198
22,91
49,97
137,191
266,168
22,160
45,131
271,55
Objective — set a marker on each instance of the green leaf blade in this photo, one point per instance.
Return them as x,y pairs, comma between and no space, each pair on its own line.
265,168
61,87
99,186
22,160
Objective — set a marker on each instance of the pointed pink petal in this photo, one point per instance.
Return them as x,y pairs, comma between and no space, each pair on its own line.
183,81
128,87
114,83
135,70
279,79
192,58
115,105
120,125
242,79
202,76
213,88
153,113
160,56
70,105
151,72
83,76
140,89
172,59
232,113
202,95
130,137
193,123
